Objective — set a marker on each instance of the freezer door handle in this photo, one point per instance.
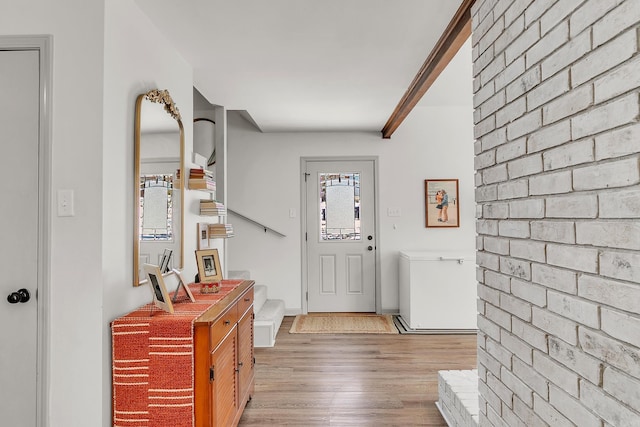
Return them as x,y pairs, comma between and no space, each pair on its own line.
460,260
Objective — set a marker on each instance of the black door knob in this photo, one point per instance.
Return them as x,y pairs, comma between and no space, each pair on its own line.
369,248
21,295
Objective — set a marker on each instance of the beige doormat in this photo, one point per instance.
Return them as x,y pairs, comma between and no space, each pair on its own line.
343,323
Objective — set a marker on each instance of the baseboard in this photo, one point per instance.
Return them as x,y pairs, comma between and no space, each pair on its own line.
404,328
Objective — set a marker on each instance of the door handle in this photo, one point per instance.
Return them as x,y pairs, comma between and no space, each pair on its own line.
21,295
369,248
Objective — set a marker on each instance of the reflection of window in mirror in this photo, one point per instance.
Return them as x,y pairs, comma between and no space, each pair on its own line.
156,207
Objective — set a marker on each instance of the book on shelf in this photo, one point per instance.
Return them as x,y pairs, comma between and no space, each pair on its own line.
201,184
200,173
220,230
212,207
201,179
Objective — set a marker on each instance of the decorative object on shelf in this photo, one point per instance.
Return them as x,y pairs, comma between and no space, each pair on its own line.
209,288
201,179
182,284
442,205
209,269
161,298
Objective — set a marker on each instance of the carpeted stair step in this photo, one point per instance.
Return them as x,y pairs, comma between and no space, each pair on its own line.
259,297
267,322
269,313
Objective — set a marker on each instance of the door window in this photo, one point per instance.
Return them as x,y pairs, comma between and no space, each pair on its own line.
339,206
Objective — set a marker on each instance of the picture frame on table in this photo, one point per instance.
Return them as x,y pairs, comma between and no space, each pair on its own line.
165,261
181,284
161,297
442,203
208,261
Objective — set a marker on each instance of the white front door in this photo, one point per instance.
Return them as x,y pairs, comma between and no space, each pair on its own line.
19,210
340,238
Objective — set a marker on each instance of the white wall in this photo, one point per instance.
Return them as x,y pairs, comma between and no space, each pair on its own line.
75,320
137,58
264,183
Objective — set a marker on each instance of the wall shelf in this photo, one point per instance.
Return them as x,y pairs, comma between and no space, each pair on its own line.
201,179
210,207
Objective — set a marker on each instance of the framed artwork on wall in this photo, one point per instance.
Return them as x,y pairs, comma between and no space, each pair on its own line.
208,262
442,203
203,235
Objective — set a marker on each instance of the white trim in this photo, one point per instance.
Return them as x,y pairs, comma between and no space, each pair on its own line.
303,225
44,45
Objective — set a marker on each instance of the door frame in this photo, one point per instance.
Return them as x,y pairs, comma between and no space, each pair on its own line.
44,45
303,224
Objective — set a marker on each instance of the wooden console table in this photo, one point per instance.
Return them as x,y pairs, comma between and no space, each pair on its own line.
194,367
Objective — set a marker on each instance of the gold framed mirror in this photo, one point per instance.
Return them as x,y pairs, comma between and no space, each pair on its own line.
158,187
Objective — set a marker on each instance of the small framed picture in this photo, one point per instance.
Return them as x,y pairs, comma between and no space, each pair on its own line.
203,235
161,298
181,284
165,262
209,269
442,205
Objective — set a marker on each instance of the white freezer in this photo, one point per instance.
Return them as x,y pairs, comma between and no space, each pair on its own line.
438,290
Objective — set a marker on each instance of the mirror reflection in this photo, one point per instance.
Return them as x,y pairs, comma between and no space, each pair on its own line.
159,199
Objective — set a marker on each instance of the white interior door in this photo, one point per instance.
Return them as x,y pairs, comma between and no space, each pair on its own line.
340,236
19,210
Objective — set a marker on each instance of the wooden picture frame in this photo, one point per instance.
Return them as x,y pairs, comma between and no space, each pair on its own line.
442,203
161,297
209,270
181,284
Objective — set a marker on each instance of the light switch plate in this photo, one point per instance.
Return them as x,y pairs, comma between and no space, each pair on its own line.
393,212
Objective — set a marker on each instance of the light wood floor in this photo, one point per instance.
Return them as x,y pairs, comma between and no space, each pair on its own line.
353,380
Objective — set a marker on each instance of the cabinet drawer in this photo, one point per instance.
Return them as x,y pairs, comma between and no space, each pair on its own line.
245,302
221,327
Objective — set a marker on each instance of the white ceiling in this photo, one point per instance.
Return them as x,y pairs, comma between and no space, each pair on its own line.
294,65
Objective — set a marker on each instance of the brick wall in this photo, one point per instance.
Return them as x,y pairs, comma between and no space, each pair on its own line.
557,104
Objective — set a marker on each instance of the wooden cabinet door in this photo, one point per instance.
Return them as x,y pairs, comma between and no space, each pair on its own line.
224,387
245,356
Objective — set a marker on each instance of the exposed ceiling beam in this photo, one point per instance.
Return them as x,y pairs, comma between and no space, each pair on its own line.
454,36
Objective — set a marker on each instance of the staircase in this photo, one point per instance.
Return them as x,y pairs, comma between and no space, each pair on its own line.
268,313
